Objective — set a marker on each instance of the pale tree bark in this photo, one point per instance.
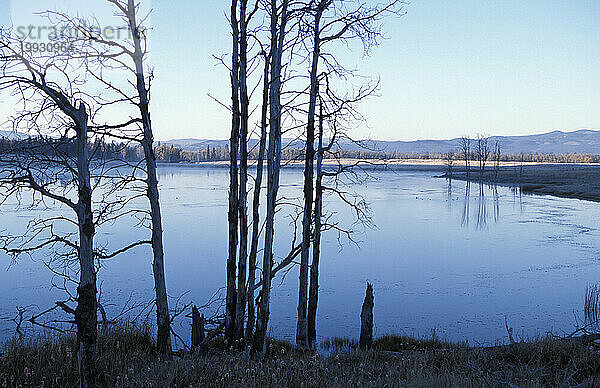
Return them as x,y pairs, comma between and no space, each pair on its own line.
233,213
243,194
302,324
256,200
273,168
163,319
313,296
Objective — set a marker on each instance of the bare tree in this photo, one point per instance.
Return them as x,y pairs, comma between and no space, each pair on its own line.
465,150
233,213
483,153
449,160
243,194
131,57
329,21
55,163
497,158
240,71
318,214
302,324
521,162
20,73
279,18
256,197
138,56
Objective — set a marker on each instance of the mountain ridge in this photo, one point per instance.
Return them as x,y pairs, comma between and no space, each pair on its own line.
582,141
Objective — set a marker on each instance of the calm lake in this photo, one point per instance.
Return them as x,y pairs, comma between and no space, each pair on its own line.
441,257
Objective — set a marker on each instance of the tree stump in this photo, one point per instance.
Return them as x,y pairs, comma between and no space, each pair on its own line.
197,328
366,319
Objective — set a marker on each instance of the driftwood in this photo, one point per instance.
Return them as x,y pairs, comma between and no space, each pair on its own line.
366,319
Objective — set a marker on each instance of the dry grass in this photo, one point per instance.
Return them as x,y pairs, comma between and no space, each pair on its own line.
127,358
393,343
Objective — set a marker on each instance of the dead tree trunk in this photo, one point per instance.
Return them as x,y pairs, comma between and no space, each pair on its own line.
256,201
302,326
86,311
366,319
243,194
233,213
163,319
273,167
197,328
313,296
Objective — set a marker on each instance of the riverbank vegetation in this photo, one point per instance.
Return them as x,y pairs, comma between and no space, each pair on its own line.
565,181
127,357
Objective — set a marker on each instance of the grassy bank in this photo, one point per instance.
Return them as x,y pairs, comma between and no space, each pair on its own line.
560,180
127,358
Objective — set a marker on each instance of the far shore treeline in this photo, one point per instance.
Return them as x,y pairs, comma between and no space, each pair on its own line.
169,153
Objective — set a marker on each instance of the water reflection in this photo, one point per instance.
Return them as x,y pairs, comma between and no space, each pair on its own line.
466,206
445,276
479,218
449,196
517,197
496,203
481,209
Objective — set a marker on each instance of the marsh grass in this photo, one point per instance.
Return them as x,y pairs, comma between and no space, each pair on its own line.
393,343
127,358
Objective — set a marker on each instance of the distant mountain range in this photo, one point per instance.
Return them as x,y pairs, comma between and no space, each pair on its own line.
584,141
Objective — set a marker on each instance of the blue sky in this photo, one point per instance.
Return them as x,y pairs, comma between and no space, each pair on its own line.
447,68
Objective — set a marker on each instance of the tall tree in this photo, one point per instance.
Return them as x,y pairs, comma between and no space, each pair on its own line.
163,318
233,212
243,194
256,197
465,151
20,170
55,163
318,214
483,153
279,19
131,57
343,21
309,155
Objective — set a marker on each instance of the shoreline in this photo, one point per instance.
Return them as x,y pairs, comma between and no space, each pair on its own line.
127,356
438,163
562,180
580,182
